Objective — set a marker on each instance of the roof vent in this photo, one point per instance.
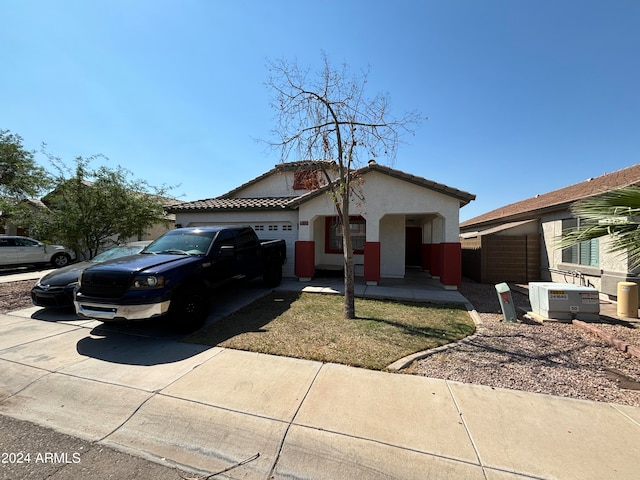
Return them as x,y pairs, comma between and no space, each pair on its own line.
372,162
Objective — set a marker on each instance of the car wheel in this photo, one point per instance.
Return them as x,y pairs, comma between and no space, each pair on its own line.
189,309
272,273
60,260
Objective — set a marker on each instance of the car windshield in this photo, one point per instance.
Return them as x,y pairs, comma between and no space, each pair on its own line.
116,252
187,243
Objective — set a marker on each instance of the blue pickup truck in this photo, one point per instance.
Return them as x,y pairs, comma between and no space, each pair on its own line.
173,276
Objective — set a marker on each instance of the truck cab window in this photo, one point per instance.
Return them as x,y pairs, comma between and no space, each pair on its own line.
224,238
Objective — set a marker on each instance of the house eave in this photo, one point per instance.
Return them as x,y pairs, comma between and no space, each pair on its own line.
530,215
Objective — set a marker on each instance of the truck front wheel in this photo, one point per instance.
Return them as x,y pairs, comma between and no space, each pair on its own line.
189,309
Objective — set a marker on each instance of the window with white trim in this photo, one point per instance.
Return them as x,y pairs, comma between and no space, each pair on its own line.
585,253
333,234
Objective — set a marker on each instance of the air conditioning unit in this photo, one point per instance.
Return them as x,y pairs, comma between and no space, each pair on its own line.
564,301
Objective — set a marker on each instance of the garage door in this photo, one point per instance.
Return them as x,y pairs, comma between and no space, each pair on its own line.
269,231
280,230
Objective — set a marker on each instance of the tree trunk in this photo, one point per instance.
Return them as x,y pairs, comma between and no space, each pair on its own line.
349,272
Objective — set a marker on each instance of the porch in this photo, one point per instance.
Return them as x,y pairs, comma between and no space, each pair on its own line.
416,286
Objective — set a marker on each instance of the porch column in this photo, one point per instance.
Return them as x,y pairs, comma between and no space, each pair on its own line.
451,270
425,257
305,267
372,262
436,260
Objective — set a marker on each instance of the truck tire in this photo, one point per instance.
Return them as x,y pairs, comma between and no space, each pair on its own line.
272,273
189,308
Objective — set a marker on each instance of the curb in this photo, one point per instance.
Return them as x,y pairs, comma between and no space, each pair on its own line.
615,342
409,359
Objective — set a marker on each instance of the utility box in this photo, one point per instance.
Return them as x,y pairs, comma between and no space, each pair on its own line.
506,302
564,301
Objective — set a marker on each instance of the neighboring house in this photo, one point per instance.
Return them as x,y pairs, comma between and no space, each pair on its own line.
8,228
150,233
517,242
397,220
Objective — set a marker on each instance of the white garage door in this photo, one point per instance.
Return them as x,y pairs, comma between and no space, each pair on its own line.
269,231
280,230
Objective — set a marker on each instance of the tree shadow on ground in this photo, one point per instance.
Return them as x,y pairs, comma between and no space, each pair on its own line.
234,324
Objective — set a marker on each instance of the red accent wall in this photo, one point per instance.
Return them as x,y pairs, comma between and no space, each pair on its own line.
436,259
451,270
426,256
305,258
372,261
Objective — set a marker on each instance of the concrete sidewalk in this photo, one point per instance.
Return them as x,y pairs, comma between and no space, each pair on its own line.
207,409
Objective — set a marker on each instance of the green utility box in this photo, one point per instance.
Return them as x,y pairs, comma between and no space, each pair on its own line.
506,302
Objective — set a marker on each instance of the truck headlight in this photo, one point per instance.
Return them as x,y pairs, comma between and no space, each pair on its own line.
142,282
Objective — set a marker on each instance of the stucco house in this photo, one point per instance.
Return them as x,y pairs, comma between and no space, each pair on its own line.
397,220
517,242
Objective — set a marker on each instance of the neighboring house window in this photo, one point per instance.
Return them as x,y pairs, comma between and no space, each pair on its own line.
258,227
287,228
333,234
273,228
306,180
585,253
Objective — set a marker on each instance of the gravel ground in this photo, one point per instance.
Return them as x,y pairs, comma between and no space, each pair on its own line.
15,295
553,358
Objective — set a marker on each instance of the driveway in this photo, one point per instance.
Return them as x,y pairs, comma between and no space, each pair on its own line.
224,301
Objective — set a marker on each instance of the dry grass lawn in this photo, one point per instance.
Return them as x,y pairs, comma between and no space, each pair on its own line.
311,326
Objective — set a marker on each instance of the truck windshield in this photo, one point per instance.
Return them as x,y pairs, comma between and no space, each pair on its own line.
181,244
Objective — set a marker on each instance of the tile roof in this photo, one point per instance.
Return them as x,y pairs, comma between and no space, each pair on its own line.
464,197
558,199
226,204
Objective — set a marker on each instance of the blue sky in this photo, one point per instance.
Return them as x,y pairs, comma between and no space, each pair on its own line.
523,97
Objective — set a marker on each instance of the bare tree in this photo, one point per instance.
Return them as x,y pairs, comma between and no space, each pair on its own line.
328,117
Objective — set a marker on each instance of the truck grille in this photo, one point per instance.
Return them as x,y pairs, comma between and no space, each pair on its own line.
106,285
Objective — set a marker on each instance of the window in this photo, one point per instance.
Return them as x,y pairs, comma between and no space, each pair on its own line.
585,253
258,228
225,238
333,234
246,239
273,228
26,242
287,228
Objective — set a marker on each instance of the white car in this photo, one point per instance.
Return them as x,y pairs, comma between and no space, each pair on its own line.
16,250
